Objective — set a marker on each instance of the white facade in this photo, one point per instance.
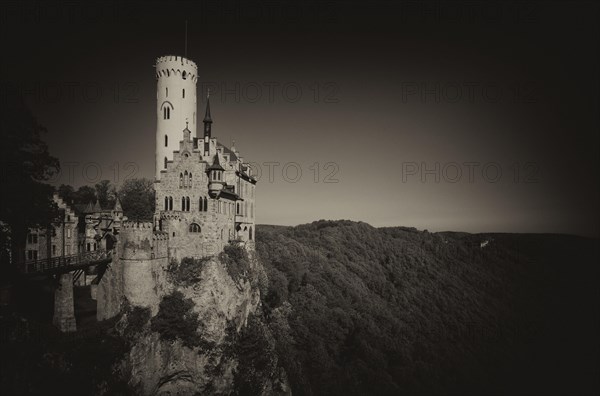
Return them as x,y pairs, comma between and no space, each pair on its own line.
175,105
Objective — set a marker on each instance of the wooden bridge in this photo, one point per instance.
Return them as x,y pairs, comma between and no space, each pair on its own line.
64,264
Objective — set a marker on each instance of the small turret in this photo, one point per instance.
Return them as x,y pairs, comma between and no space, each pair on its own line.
215,176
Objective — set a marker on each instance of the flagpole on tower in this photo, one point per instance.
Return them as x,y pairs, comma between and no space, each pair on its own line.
185,50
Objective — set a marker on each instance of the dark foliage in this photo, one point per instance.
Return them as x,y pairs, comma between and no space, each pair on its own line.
188,271
236,261
106,194
175,320
26,200
257,360
137,199
137,318
37,359
358,310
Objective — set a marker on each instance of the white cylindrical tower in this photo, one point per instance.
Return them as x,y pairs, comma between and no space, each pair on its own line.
175,105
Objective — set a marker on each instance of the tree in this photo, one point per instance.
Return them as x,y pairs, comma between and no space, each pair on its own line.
85,194
137,199
67,193
26,201
106,194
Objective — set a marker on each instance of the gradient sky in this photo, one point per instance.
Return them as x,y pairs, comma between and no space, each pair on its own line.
402,87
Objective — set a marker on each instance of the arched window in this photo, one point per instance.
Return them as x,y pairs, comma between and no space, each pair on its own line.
184,75
167,92
185,178
180,180
190,181
205,204
170,203
250,233
183,93
194,228
166,203
237,210
165,162
187,204
166,140
221,234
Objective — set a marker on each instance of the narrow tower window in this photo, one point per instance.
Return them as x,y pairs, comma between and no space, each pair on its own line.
166,140
166,203
166,92
165,162
180,180
183,93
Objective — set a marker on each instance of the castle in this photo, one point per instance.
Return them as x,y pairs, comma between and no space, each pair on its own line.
204,190
204,194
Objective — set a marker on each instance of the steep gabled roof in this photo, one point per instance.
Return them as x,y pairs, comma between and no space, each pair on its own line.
216,164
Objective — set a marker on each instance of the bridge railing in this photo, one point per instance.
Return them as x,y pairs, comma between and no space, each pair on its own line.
53,263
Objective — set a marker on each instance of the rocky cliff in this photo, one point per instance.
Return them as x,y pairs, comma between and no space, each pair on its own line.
208,323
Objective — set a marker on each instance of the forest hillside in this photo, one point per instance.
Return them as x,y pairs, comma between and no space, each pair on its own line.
362,310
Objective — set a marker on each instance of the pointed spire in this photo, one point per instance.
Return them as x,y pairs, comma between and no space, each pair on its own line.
216,165
207,119
118,207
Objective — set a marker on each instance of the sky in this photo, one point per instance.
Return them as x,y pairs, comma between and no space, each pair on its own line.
477,117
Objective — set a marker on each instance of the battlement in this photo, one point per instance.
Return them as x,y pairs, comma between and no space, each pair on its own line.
135,225
160,236
172,65
170,216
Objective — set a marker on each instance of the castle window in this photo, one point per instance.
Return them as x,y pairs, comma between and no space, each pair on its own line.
170,203
190,181
180,180
187,204
68,233
183,204
32,238
167,92
237,210
184,76
32,255
205,204
183,93
185,178
54,250
165,162
250,234
166,140
166,203
195,228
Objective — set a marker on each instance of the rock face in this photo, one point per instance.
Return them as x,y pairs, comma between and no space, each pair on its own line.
159,366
